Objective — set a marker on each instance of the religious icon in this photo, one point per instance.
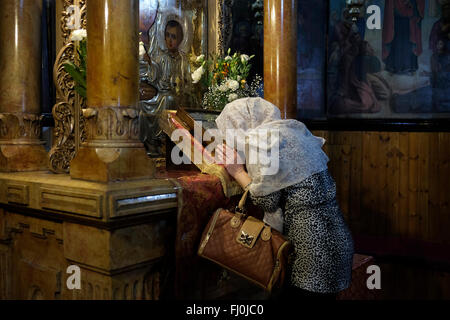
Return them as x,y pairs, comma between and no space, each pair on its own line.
166,71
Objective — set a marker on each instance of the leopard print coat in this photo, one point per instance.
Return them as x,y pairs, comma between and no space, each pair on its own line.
323,246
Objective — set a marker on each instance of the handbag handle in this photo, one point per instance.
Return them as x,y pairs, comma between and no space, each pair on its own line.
240,208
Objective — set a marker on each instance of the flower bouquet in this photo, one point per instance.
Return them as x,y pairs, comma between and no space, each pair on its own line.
223,80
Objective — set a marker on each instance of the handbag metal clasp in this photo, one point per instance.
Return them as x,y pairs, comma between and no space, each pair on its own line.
246,239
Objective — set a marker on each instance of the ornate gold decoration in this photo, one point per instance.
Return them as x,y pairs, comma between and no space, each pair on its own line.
14,127
229,185
112,125
69,129
220,25
225,25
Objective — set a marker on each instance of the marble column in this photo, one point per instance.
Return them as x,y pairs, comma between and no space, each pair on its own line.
113,150
20,87
280,55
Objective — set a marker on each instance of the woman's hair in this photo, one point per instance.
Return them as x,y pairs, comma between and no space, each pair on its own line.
247,113
281,152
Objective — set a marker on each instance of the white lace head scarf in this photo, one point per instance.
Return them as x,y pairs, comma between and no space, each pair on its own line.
299,153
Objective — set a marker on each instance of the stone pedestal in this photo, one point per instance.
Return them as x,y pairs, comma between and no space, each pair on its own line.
20,87
280,55
113,150
120,236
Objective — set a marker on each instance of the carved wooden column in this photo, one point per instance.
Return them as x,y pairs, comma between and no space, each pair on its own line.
113,150
280,55
20,86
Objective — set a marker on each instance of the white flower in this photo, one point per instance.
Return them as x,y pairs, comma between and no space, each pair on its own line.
232,97
228,58
244,58
142,50
200,58
233,85
78,35
197,75
223,87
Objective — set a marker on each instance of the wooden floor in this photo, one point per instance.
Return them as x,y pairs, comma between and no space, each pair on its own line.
412,280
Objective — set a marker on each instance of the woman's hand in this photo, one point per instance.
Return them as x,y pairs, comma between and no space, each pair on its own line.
230,159
233,164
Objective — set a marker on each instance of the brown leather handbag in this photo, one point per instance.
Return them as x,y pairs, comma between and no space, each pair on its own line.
246,246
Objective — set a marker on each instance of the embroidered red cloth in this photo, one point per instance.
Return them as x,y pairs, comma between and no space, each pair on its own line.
202,194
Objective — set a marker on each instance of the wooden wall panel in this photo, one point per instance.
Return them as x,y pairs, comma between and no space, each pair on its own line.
402,227
444,185
393,183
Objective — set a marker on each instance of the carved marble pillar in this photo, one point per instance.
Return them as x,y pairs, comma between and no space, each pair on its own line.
113,150
20,87
280,55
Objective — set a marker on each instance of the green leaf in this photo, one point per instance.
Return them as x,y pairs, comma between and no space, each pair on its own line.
81,91
82,60
83,48
75,73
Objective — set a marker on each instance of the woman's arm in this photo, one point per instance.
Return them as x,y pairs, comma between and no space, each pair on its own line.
231,160
242,178
233,164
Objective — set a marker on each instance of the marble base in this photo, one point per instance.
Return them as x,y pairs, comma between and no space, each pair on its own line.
111,164
22,158
117,234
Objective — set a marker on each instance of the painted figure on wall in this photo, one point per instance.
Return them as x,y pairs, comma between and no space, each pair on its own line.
311,56
353,73
401,70
439,43
402,35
